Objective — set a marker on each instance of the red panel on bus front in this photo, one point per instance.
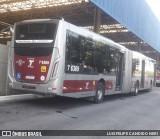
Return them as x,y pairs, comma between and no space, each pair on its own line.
31,69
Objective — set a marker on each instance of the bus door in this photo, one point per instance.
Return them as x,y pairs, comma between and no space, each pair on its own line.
143,74
119,75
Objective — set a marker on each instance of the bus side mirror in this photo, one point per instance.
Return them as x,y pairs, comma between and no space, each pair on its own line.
11,30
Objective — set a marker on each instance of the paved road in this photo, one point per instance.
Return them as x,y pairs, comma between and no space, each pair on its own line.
117,112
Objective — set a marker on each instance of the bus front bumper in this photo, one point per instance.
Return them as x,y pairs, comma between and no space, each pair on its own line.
30,87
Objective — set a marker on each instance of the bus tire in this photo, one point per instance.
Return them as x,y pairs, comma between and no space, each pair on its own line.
98,98
136,90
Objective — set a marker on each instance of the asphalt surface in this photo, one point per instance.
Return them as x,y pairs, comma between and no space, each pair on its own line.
116,112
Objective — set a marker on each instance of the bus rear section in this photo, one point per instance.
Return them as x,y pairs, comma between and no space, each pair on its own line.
143,69
33,57
56,57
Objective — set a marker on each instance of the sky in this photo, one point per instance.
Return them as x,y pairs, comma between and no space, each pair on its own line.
155,6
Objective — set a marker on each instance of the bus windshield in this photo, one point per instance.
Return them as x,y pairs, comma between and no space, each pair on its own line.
35,31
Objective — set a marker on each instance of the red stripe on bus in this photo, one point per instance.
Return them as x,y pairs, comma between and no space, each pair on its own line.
109,85
71,86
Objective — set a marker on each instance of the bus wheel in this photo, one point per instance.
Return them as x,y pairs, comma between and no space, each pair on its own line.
136,89
99,93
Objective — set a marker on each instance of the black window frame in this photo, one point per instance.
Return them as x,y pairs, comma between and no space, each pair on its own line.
50,27
99,63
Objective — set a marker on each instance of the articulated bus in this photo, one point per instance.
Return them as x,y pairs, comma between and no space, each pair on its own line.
52,56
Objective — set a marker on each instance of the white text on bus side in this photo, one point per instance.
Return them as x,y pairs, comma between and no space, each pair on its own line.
73,68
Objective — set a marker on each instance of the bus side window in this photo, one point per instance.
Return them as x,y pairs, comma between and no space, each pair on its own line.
79,53
72,49
106,59
136,67
88,50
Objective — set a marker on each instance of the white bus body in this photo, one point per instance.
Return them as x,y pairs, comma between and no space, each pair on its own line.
56,57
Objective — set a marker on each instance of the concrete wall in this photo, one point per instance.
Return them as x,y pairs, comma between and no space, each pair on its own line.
3,67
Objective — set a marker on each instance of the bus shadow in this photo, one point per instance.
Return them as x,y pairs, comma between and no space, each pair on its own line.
66,102
56,102
56,105
122,96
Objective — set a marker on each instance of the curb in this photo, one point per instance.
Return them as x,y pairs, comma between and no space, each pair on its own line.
19,97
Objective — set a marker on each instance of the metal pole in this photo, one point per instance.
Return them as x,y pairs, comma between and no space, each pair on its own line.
97,20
